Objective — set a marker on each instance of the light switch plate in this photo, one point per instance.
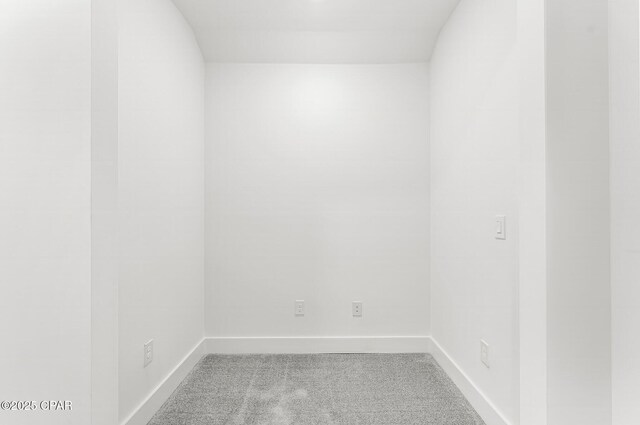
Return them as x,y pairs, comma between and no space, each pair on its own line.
501,227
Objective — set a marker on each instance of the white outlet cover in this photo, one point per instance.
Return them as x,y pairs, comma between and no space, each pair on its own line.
356,308
148,353
299,308
484,353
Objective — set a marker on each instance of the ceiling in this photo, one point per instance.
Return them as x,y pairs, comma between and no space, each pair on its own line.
316,31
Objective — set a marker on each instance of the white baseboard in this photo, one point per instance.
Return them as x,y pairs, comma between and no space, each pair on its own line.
304,345
485,408
145,411
294,345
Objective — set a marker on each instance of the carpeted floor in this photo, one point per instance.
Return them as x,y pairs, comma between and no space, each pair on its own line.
320,389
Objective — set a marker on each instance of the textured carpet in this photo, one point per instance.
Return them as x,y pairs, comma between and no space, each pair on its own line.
320,389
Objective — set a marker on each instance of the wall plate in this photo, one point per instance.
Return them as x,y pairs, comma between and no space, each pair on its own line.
501,227
356,308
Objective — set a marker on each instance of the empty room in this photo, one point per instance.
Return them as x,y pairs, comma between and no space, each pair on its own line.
319,212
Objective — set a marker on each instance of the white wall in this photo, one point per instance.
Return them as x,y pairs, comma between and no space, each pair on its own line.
532,193
474,163
45,207
161,178
579,310
624,79
317,189
104,212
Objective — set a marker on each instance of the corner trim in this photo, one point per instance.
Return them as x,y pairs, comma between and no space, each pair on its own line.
156,398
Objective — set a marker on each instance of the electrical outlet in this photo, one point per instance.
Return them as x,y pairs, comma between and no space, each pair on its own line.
356,308
148,353
299,308
484,352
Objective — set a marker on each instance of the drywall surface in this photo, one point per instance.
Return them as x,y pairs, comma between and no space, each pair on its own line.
624,133
532,194
579,303
474,177
317,189
104,212
45,208
312,31
161,179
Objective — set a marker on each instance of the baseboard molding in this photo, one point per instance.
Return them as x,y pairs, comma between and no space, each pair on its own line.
485,408
145,411
305,345
310,345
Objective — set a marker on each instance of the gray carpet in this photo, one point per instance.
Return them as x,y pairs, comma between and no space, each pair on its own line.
321,389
